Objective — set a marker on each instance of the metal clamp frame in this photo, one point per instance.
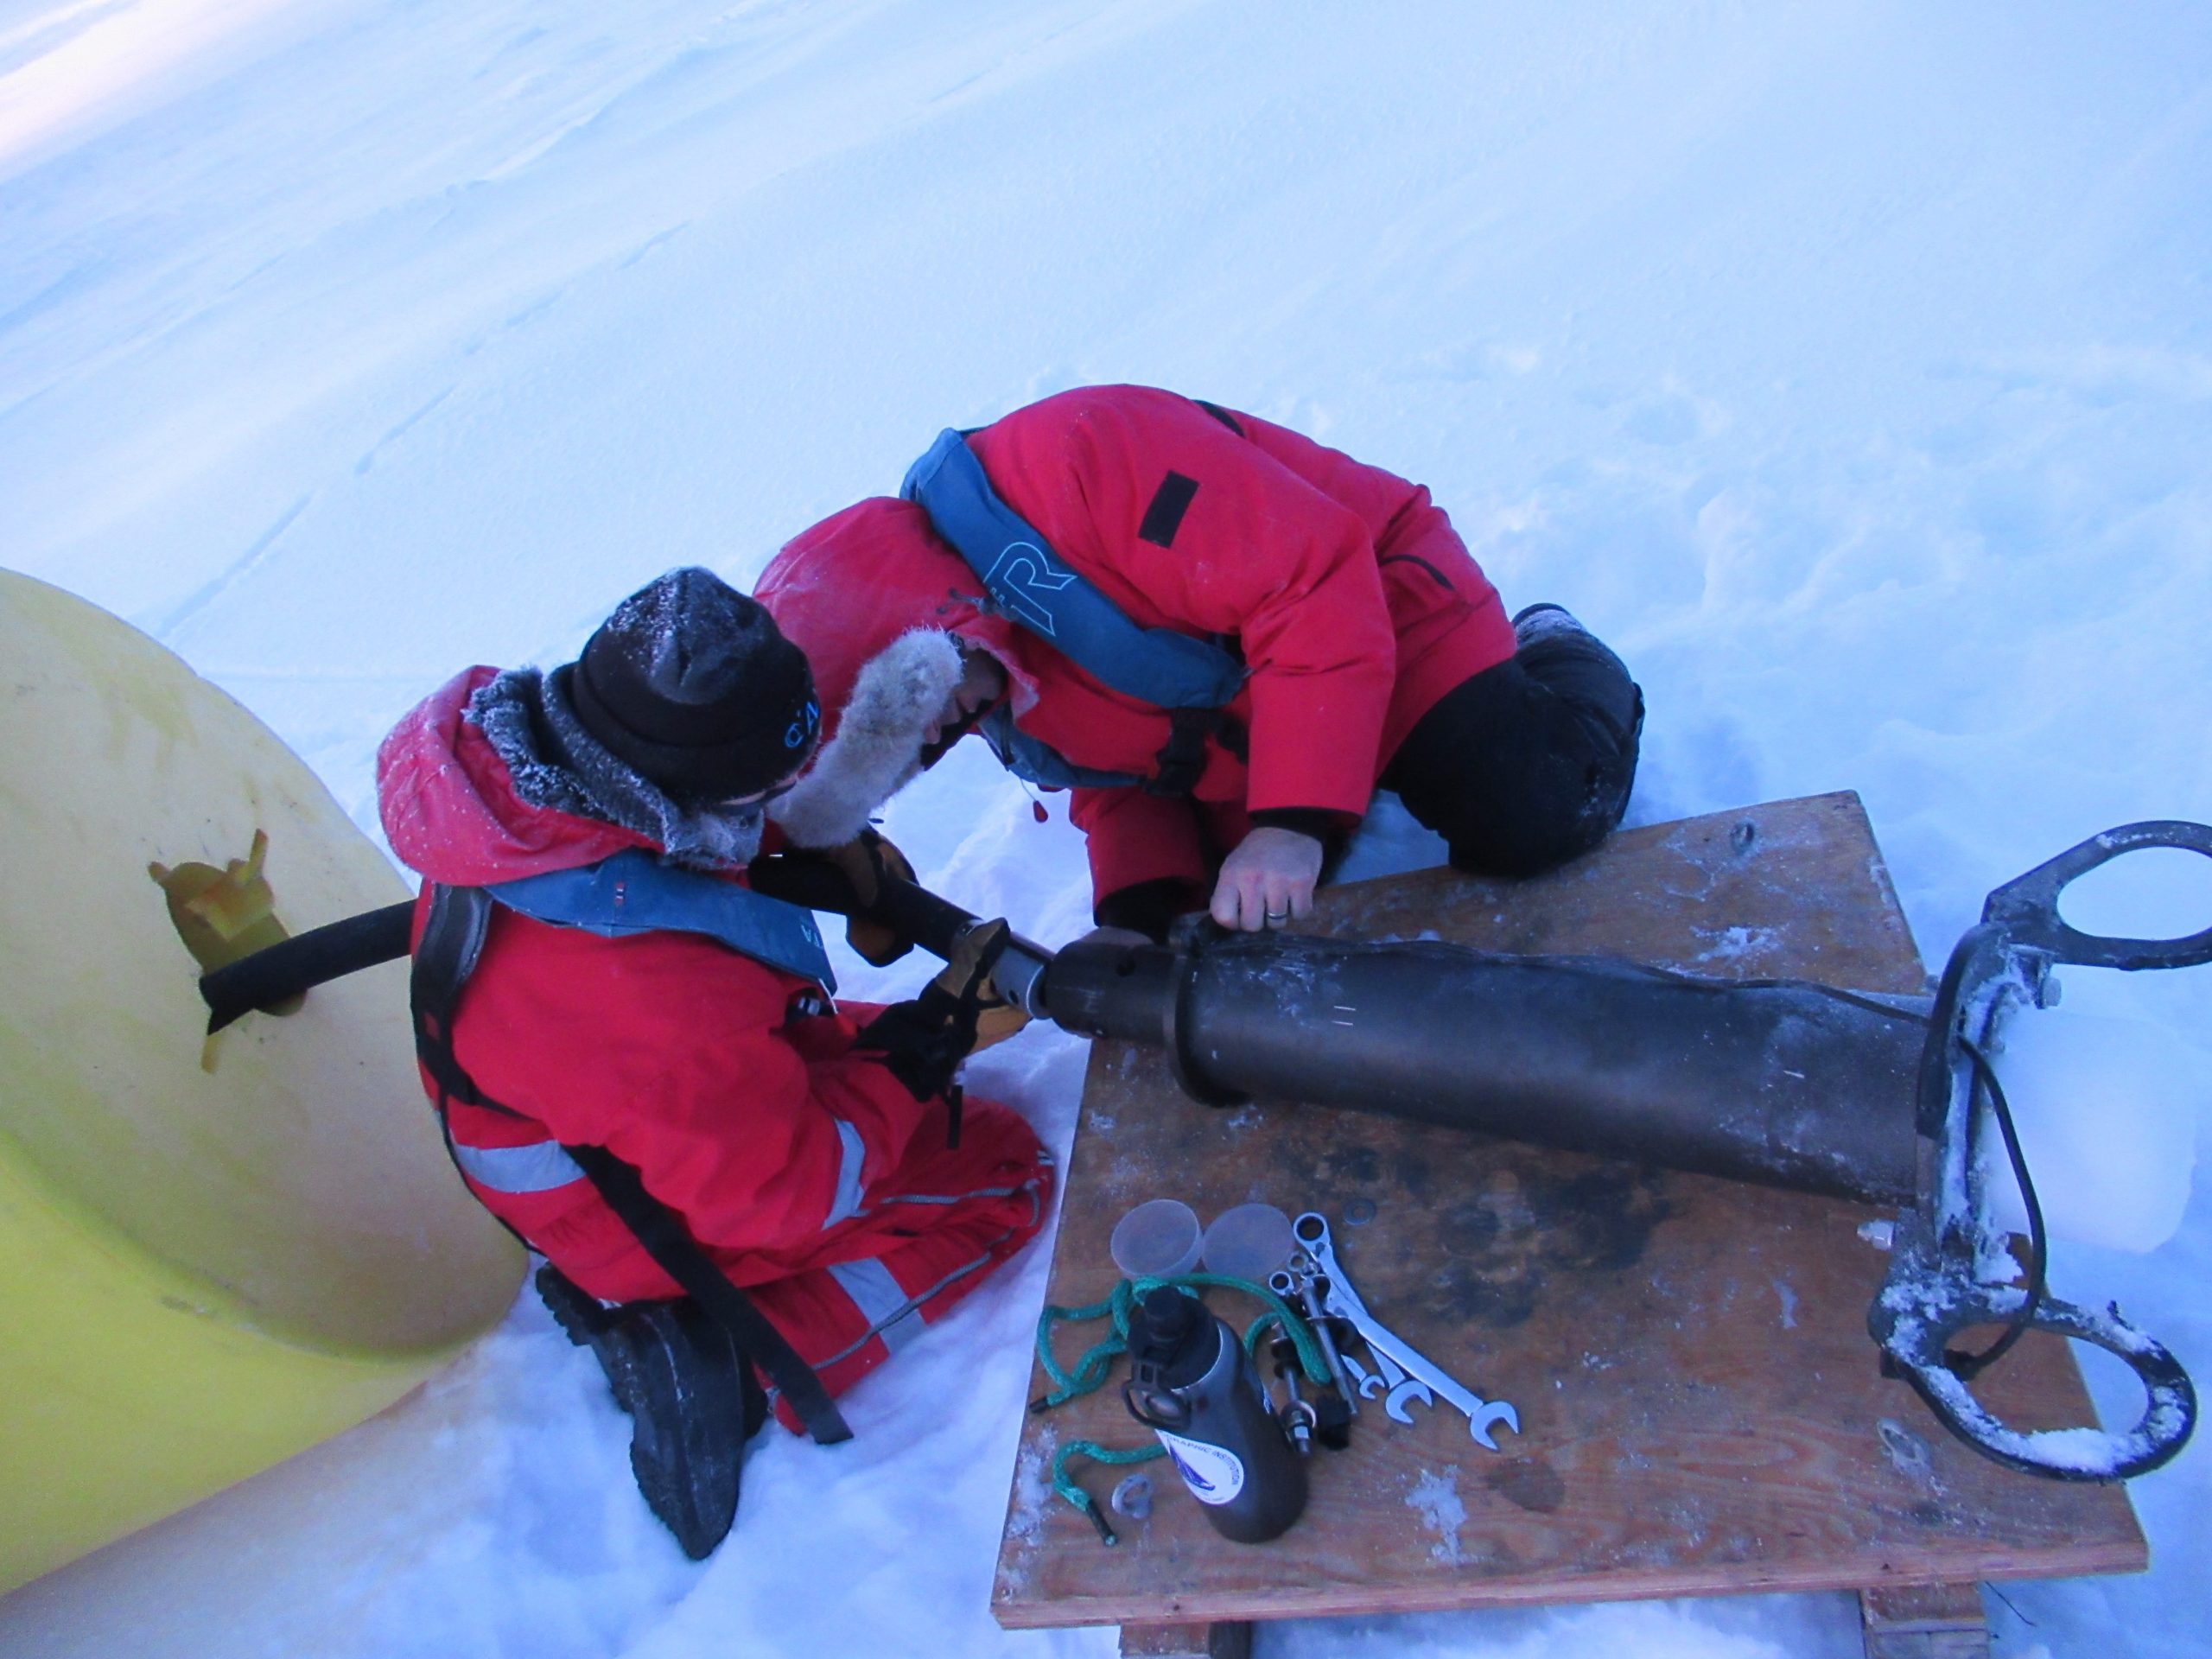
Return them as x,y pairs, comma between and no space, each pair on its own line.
1933,1290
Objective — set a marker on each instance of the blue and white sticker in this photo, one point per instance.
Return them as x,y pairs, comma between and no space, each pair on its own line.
1213,1476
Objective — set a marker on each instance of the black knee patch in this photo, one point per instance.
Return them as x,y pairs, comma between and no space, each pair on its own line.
1517,775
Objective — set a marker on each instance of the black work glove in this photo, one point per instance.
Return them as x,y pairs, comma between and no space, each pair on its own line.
922,1041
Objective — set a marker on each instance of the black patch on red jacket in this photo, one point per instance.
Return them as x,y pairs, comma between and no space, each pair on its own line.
1164,516
1220,415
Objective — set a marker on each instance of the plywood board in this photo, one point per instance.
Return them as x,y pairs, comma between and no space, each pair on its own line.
1702,1410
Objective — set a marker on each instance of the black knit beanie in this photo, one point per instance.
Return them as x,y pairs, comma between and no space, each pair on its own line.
689,681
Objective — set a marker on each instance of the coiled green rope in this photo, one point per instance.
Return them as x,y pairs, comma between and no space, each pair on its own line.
1091,1371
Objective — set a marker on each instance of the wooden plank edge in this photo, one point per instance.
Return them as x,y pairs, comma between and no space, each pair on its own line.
1634,838
1839,1573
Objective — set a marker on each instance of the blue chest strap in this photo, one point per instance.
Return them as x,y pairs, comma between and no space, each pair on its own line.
635,893
1033,585
1187,678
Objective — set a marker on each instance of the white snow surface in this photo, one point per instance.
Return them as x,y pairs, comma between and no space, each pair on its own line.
1846,363
2108,1112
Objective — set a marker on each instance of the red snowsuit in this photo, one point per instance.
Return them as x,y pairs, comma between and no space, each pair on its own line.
806,1172
1354,604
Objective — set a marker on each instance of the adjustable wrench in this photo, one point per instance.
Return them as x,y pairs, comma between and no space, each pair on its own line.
1421,1377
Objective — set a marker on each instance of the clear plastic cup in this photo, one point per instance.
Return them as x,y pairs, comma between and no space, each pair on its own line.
1157,1240
1248,1242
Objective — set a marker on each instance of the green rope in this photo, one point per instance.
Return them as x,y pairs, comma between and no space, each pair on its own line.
1082,1501
1091,1371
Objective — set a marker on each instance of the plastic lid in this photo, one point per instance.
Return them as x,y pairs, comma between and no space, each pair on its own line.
1250,1242
1156,1240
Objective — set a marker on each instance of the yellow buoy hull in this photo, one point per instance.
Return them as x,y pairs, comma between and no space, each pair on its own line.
213,1251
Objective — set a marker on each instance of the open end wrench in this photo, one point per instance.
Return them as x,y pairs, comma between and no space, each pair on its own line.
1483,1416
1389,1384
1397,1388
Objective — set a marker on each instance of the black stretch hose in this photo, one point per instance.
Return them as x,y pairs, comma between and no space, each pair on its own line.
1966,1367
1779,1082
271,977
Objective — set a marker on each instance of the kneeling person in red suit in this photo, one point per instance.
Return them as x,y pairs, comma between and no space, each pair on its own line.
639,1068
1220,635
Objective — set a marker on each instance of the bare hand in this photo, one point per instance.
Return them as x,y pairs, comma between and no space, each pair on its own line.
1269,880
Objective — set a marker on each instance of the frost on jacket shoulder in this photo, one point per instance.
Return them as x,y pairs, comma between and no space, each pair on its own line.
449,808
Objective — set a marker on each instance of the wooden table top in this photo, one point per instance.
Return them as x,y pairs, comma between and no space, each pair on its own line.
1701,1409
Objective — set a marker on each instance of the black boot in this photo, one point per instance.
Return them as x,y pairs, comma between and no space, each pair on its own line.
1530,763
691,1396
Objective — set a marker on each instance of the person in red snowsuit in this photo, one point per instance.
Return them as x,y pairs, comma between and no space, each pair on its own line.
1376,652
808,1168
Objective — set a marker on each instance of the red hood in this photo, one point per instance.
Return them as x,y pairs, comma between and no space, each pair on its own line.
842,591
449,808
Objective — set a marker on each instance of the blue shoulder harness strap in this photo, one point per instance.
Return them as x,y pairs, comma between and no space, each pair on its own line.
1189,679
1033,585
635,893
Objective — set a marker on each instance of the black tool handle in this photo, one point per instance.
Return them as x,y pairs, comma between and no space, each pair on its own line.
934,924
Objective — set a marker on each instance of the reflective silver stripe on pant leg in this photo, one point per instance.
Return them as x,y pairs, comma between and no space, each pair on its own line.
946,1198
538,1167
850,1152
1036,1208
889,1312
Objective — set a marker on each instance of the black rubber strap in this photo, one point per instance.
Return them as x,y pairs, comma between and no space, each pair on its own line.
665,1239
1182,759
269,978
453,939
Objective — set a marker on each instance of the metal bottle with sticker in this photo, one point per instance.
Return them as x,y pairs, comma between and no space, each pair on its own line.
1191,1383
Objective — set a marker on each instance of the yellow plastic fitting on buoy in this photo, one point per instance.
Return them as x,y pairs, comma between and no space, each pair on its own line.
214,1251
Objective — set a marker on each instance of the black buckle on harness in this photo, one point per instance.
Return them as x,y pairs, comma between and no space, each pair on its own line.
1182,759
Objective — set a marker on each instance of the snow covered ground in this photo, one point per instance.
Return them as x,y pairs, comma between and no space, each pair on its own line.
1848,363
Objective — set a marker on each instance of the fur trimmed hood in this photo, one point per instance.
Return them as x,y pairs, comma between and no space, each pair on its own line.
556,764
877,748
451,808
885,648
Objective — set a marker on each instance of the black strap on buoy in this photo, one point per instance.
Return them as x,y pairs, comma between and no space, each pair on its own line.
269,978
